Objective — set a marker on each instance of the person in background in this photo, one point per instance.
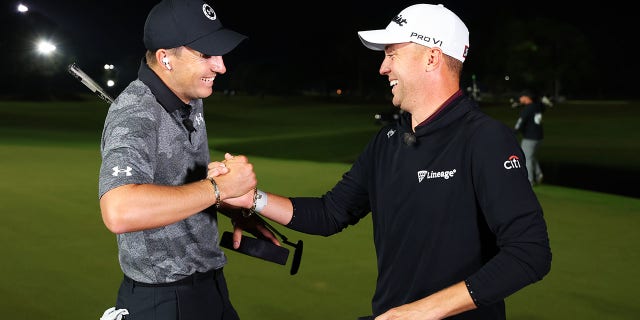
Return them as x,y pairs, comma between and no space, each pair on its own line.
456,225
153,186
529,125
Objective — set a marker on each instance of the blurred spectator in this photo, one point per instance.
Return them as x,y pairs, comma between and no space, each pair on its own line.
529,125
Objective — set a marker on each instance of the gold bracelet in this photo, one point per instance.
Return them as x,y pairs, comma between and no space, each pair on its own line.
216,190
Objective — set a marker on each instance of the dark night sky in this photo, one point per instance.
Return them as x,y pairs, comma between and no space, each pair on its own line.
312,33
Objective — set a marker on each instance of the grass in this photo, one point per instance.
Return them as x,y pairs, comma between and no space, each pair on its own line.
587,133
593,236
60,262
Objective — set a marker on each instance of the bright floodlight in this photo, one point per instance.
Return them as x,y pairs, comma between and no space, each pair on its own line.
46,47
108,67
110,83
22,8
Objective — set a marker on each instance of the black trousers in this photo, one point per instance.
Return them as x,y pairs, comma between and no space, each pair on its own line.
198,297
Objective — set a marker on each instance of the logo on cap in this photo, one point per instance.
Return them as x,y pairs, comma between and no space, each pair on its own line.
208,12
399,20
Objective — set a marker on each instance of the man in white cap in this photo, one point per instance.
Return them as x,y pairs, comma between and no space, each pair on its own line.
456,225
153,187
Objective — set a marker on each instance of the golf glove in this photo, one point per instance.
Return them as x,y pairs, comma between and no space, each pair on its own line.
113,314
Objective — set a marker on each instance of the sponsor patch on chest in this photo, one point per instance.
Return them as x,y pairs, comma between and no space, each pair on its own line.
430,174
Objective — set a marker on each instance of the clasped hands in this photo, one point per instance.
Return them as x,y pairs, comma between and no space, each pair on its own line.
237,183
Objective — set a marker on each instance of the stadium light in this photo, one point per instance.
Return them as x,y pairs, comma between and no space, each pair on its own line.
22,8
109,75
45,47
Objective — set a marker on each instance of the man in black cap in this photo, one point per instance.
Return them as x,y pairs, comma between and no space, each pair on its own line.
529,124
154,191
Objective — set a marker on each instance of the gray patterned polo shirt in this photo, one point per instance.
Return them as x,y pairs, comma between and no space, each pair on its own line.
147,138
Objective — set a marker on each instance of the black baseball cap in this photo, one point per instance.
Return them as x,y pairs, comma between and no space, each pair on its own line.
192,23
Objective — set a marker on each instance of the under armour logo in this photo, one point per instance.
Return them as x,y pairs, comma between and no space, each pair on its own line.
390,133
117,171
399,20
199,119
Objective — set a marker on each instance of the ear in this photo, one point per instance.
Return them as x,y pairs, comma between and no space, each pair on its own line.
161,53
162,58
433,58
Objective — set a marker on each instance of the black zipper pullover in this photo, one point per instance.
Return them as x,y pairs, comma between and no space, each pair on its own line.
454,206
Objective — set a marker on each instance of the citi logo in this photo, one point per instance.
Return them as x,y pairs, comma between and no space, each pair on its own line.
512,163
399,20
390,133
117,171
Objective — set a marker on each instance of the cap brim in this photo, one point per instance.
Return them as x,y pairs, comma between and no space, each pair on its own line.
378,39
217,43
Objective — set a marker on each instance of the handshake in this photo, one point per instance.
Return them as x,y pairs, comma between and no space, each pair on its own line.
234,183
237,196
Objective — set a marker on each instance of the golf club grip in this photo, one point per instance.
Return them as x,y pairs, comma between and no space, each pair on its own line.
256,248
77,73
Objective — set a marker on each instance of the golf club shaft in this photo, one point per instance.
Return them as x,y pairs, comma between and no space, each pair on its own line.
75,71
274,230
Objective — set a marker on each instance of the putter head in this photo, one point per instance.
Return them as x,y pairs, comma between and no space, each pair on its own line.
265,249
297,257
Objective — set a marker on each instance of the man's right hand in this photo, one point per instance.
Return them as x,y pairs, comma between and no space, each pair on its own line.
236,178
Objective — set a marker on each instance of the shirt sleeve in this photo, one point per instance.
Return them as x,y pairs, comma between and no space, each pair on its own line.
345,204
513,214
128,143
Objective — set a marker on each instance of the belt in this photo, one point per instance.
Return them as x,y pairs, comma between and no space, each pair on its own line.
188,280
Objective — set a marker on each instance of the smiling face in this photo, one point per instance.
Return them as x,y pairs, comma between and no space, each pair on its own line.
403,64
192,73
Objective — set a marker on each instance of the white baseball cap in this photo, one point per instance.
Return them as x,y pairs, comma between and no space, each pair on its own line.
426,24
